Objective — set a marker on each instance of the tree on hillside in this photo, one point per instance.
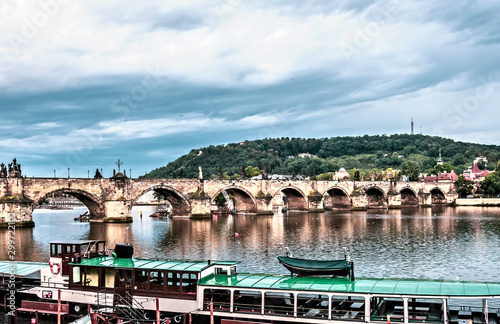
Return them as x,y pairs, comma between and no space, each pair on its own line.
440,168
491,183
464,186
251,171
410,169
364,153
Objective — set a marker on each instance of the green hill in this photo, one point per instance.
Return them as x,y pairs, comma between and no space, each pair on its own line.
366,153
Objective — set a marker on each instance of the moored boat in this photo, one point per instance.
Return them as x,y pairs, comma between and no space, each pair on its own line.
86,274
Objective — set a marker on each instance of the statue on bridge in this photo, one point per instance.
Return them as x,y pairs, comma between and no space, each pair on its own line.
3,170
97,174
200,173
14,169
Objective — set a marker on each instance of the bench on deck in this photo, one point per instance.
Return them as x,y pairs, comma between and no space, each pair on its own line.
43,308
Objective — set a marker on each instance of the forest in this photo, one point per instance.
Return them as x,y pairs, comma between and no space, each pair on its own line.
372,155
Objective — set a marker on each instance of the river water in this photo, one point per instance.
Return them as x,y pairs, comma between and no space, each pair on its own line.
432,243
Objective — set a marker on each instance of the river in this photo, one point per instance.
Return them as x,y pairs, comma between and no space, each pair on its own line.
432,243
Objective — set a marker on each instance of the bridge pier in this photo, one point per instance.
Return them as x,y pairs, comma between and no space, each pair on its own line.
425,198
16,211
15,208
264,206
394,200
117,211
315,202
359,201
200,205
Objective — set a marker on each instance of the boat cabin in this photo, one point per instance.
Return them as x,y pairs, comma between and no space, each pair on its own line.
319,299
143,277
62,253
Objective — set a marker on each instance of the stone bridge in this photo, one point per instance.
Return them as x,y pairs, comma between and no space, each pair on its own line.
111,200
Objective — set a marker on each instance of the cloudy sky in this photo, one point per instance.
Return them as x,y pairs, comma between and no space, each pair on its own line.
87,82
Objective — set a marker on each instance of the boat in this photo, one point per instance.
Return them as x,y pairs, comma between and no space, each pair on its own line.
87,274
307,267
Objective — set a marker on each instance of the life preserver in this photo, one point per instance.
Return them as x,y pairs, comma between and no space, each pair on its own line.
55,268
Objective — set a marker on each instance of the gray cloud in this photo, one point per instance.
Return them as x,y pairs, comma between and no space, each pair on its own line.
148,82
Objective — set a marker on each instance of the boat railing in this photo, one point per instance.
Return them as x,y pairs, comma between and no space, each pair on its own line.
126,305
53,284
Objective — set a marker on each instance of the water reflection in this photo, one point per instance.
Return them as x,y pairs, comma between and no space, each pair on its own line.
432,243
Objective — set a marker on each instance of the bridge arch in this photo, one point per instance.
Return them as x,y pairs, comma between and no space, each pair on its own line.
243,199
91,201
376,197
408,197
337,197
438,197
180,204
295,199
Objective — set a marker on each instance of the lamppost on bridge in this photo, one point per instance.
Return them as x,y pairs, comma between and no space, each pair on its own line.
88,174
68,173
54,173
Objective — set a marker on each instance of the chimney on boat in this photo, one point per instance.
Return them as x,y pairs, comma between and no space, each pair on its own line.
124,251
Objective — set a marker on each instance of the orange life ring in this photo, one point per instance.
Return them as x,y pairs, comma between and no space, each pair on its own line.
57,267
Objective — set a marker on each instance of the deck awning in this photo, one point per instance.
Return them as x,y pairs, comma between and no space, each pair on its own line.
21,269
402,287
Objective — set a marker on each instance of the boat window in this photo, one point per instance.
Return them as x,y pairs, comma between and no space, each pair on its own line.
56,250
67,249
464,310
124,274
220,271
348,307
381,307
278,303
312,305
425,310
92,277
141,280
173,281
247,301
219,297
233,270
156,280
189,281
76,276
109,278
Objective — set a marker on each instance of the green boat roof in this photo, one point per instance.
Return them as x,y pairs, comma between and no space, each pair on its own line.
174,265
411,287
20,269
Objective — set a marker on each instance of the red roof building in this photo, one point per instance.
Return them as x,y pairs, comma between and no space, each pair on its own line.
475,173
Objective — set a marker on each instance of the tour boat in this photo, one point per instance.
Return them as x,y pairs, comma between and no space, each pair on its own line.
82,273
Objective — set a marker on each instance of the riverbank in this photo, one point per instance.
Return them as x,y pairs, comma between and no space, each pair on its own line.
477,202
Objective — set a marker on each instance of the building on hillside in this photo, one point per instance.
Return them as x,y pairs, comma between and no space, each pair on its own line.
341,174
305,155
473,173
481,159
440,159
442,177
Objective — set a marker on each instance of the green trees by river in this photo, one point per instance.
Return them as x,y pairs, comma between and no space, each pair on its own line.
369,154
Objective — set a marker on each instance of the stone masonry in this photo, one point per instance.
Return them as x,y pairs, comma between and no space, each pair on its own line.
111,200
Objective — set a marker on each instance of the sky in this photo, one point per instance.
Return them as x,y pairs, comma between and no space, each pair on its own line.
85,83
